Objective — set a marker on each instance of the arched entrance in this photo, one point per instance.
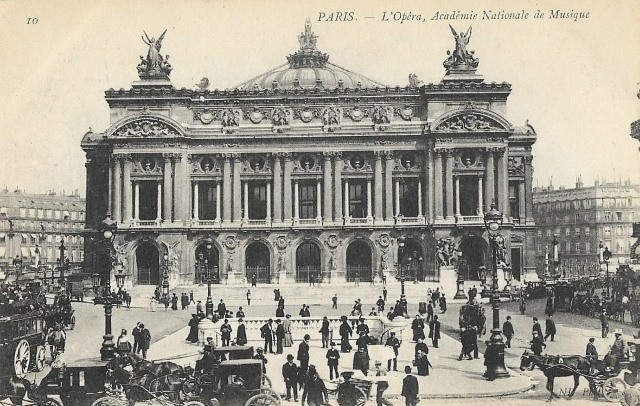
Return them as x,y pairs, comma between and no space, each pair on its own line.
308,262
207,259
414,260
474,252
359,262
148,264
258,262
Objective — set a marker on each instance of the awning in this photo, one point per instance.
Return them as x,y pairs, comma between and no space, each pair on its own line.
35,237
25,252
25,236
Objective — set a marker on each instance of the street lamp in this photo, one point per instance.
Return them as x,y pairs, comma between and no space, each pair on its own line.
460,280
556,254
209,304
493,223
165,278
108,228
402,265
606,257
62,249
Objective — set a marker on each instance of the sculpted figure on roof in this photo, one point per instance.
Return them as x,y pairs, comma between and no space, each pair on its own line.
307,38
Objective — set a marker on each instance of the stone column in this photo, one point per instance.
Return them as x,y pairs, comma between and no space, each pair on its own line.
245,207
296,201
326,179
226,188
159,202
196,198
429,200
110,193
126,182
185,185
218,196
166,177
337,186
268,201
449,183
521,202
480,199
458,214
528,184
136,199
377,183
437,175
177,198
117,190
347,213
369,211
397,199
420,198
286,193
318,200
277,188
237,188
388,186
490,194
503,180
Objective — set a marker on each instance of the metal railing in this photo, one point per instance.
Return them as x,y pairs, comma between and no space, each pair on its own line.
263,273
362,272
303,273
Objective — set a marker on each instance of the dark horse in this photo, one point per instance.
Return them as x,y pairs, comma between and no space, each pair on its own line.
556,366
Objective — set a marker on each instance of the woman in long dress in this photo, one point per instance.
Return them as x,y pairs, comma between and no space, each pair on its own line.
193,328
288,338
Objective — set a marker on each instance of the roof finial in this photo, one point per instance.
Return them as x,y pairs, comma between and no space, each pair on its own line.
307,38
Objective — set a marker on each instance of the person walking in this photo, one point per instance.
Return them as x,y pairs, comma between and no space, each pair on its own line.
394,343
225,332
443,303
279,336
604,324
466,344
507,330
290,373
254,280
536,327
191,298
304,312
410,388
174,302
315,392
384,294
135,333
241,333
490,361
193,329
417,325
380,303
303,356
537,343
550,328
429,311
422,363
434,331
265,332
333,357
222,309
324,331
145,340
248,297
345,333
334,301
123,344
240,313
286,325
591,352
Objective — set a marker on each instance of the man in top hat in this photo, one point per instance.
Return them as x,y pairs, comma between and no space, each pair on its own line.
394,343
536,327
591,352
410,388
290,373
324,330
550,328
279,336
315,392
333,355
303,355
537,343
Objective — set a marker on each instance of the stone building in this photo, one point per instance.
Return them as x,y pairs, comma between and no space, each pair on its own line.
635,252
32,226
583,216
308,169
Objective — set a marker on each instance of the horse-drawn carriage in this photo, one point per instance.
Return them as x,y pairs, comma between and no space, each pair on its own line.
472,315
22,346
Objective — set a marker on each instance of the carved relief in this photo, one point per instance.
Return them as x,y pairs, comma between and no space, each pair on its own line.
257,164
206,116
204,165
307,163
306,114
282,242
468,122
147,164
406,112
357,162
516,166
280,119
381,115
331,117
468,159
332,241
230,242
148,127
230,120
256,115
384,240
356,113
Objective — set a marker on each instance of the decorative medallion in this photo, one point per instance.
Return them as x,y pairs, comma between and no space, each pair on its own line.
356,114
307,163
357,162
257,163
255,116
408,160
384,240
206,116
332,241
282,242
305,114
230,242
406,112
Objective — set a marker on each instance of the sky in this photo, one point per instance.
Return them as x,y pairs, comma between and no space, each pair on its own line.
575,81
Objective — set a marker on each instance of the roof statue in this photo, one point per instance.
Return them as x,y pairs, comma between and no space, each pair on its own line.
154,66
414,80
461,59
307,38
308,55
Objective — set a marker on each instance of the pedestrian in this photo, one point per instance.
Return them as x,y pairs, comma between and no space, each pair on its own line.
290,372
536,327
429,311
380,303
490,361
384,293
312,282
153,304
384,282
304,312
279,336
184,300
422,363
260,355
356,280
240,313
550,328
286,325
537,343
466,349
279,312
265,332
324,331
145,340
507,330
303,357
135,333
394,343
362,328
280,301
391,314
345,333
410,388
222,309
421,346
241,333
373,312
592,352
434,331
382,385
191,298
174,302
127,299
254,280
199,310
604,324
248,297
522,304
225,332
315,392
334,301
361,357
123,344
435,296
549,308
193,329
333,357
443,303
417,325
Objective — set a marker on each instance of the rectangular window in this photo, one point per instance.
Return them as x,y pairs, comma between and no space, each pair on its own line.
514,204
32,213
409,197
148,200
549,233
577,248
308,200
587,246
587,231
49,213
619,230
607,231
619,215
567,231
577,231
206,200
357,199
257,200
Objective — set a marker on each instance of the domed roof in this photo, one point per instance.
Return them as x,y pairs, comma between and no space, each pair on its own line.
309,68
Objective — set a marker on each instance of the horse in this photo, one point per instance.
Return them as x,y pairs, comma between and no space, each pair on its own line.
556,366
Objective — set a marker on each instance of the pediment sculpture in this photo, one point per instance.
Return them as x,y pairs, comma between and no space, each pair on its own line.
468,122
147,127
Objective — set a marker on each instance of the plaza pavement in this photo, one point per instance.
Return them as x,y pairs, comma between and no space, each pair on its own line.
450,378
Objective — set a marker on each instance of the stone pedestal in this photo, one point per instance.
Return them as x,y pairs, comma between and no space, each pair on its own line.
448,279
231,278
206,328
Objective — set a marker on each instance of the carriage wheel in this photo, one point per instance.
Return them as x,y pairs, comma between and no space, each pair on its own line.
360,398
612,389
266,381
109,401
41,357
262,400
53,402
21,358
266,390
192,403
